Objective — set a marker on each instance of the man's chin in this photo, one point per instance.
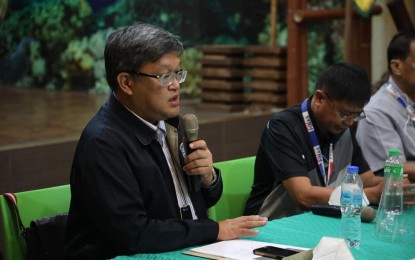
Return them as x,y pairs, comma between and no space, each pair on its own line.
174,113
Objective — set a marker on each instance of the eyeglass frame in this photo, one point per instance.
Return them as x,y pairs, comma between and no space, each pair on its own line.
357,116
160,77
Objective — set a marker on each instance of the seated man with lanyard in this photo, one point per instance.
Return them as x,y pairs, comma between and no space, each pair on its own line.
390,114
305,150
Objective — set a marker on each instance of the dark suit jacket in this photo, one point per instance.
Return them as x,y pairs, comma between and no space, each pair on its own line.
123,196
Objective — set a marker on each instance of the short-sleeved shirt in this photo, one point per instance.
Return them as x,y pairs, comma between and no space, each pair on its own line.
387,125
286,151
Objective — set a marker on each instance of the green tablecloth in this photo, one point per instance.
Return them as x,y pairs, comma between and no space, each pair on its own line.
306,230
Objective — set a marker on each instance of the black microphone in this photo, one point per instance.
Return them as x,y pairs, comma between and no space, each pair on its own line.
190,128
367,214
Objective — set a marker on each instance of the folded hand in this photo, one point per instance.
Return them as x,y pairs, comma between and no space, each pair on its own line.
409,194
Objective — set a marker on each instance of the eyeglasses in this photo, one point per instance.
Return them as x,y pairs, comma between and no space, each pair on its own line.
165,79
356,116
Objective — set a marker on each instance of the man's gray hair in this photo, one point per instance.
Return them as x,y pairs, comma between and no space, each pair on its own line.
130,48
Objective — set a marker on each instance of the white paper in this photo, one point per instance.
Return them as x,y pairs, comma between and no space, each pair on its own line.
240,249
331,248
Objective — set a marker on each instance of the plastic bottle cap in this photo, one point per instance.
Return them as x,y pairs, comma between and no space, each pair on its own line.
353,169
394,152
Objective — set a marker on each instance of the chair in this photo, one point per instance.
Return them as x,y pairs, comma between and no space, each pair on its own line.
237,177
32,205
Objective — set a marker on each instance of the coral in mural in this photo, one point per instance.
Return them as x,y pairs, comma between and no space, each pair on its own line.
84,58
59,44
49,24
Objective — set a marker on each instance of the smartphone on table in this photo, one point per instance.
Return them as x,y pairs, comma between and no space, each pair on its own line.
275,252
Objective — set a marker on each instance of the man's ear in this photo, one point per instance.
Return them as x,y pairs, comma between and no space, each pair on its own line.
319,96
396,67
125,82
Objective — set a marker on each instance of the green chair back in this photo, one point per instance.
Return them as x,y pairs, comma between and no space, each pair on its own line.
237,177
32,205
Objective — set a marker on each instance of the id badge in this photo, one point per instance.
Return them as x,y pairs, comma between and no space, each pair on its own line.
186,212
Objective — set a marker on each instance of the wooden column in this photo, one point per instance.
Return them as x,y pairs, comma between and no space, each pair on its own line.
297,72
399,14
348,47
358,45
273,21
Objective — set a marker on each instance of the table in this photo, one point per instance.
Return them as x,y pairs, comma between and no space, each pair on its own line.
306,230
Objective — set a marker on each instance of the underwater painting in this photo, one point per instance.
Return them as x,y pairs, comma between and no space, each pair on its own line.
59,44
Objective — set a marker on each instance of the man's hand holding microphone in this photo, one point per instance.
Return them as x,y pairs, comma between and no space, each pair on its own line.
199,164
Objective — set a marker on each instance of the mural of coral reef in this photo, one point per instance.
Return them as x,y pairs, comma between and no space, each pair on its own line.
59,44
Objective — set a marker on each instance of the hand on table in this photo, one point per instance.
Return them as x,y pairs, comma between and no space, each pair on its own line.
409,194
241,226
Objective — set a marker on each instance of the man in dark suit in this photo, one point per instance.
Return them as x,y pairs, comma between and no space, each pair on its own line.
130,180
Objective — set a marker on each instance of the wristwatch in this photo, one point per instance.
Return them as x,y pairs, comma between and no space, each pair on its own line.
215,177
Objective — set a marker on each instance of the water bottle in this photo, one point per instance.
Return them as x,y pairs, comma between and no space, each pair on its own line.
351,207
389,214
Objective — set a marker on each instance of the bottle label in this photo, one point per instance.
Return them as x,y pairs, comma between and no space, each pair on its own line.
357,199
346,197
351,197
395,171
